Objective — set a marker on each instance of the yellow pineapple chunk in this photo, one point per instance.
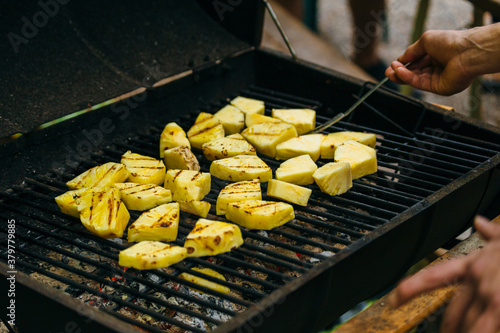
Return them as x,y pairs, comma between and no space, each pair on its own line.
248,105
305,144
363,159
304,120
181,158
206,128
233,119
195,207
297,170
240,191
204,282
102,212
259,214
266,136
100,176
144,169
209,238
334,178
255,118
241,167
67,201
143,196
288,192
151,255
187,185
229,146
172,136
333,140
158,224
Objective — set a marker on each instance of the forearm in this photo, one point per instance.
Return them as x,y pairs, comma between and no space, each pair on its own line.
482,49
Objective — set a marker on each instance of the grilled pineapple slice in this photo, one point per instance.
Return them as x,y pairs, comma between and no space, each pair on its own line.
143,196
187,185
255,118
240,191
102,212
297,170
209,238
144,169
241,167
304,120
204,282
158,224
229,146
305,144
334,178
363,159
100,176
288,192
67,201
181,158
333,140
248,105
195,207
259,214
151,255
233,119
266,136
172,136
206,128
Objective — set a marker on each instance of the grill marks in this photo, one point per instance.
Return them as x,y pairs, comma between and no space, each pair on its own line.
103,175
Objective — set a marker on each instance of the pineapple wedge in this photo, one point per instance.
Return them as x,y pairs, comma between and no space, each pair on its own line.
187,185
259,214
304,120
248,105
333,140
206,128
334,178
363,159
151,255
297,170
266,136
235,192
102,212
229,146
255,118
172,136
204,282
209,238
158,224
241,167
305,144
143,169
233,119
181,158
143,196
100,176
195,207
288,192
67,202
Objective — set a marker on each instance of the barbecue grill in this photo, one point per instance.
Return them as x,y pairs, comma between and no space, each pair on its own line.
167,61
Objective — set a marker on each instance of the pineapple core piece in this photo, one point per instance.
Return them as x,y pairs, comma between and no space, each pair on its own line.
248,105
334,178
304,120
143,196
229,146
266,136
240,191
241,167
102,212
187,185
305,144
333,140
259,214
288,192
100,176
298,170
172,136
67,202
255,118
181,158
199,208
144,169
151,255
233,119
204,282
363,159
206,128
209,238
158,224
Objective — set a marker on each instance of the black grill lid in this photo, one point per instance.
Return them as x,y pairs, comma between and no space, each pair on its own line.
62,56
